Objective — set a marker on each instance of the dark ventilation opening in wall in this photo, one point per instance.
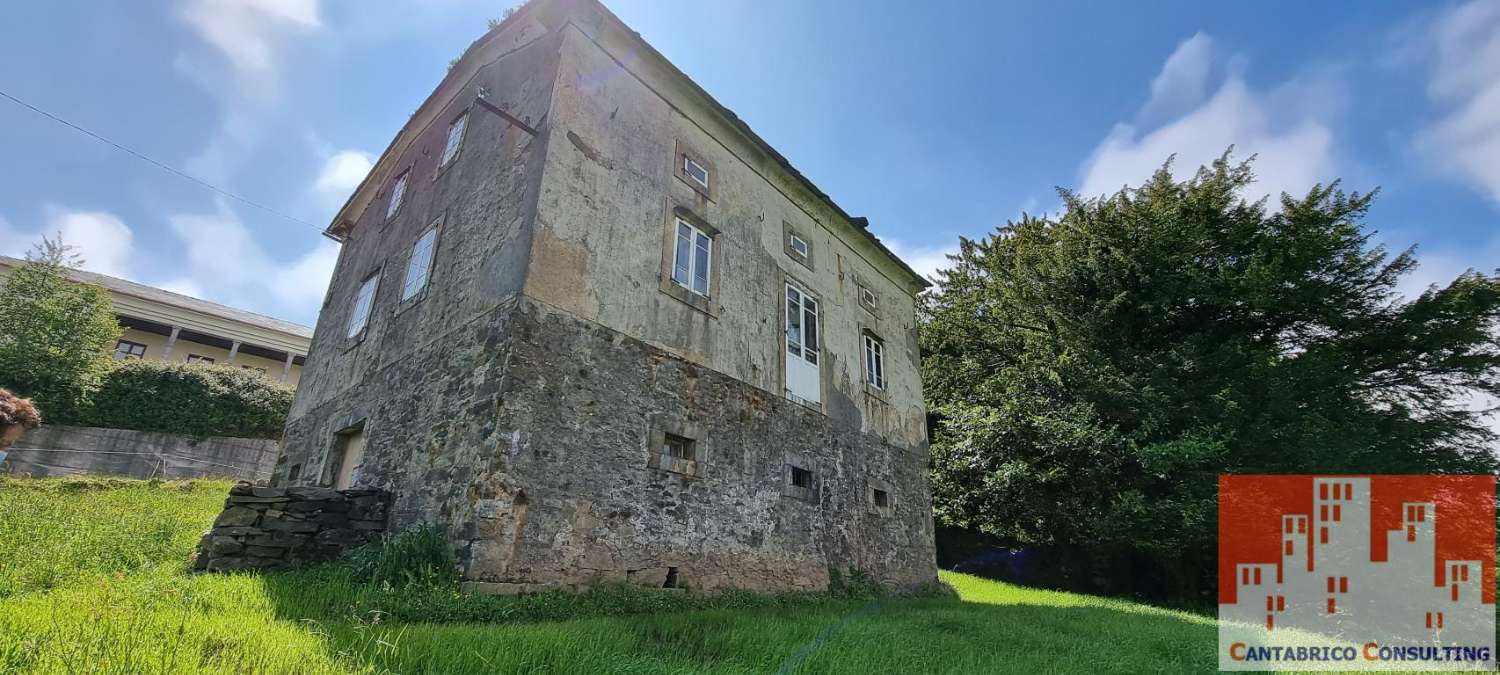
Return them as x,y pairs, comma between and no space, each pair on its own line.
671,581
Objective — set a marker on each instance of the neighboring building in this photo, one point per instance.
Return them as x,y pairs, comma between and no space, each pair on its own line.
166,326
591,323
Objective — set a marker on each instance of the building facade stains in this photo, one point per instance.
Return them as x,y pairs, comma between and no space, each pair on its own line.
634,345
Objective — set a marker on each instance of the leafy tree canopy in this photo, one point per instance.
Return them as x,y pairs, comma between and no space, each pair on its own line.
1094,373
55,334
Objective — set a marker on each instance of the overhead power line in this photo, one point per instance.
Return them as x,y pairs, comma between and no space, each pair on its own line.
160,165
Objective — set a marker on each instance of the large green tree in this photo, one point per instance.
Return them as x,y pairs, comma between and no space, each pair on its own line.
1093,373
55,334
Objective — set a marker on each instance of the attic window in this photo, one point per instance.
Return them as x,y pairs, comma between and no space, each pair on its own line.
866,298
695,171
799,245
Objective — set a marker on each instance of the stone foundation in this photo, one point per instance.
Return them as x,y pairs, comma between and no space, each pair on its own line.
271,528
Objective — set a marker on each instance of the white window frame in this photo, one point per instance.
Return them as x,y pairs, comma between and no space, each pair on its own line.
130,352
419,265
804,250
874,350
398,194
452,147
695,239
364,303
799,311
688,164
867,297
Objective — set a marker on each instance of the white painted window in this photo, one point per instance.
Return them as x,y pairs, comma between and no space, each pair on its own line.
126,349
362,305
455,138
695,171
799,245
692,259
867,298
420,265
802,328
874,361
398,193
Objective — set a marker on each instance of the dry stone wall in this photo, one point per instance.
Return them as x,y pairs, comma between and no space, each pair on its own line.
270,528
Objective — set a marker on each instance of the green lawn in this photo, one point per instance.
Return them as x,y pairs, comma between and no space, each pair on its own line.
92,579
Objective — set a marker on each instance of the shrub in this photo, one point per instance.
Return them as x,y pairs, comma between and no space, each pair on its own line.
197,400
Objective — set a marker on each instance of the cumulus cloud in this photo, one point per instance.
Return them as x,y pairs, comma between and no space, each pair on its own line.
341,173
1463,48
103,240
1196,116
223,256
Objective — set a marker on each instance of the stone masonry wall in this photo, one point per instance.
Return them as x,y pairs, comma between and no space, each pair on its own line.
268,528
577,494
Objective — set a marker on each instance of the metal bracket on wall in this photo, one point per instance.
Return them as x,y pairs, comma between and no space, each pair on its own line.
507,116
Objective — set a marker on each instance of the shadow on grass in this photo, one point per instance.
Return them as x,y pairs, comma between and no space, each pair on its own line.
1014,629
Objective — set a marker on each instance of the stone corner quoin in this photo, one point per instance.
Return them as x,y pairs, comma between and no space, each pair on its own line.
588,366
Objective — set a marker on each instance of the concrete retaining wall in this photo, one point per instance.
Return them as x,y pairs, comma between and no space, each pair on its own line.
63,451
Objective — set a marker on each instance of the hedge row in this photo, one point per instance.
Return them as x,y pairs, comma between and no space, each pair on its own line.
196,400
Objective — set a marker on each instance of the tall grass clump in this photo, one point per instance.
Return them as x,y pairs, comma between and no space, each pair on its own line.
419,557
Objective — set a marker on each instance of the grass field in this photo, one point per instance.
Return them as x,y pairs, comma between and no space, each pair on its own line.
93,579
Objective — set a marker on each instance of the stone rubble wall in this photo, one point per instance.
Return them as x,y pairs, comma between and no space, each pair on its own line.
271,528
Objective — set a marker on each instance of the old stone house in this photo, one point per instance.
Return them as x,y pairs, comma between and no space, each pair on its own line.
590,322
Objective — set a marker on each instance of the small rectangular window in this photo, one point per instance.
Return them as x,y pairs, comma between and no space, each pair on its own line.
694,170
692,258
799,245
882,499
455,138
257,369
802,478
420,264
199,358
362,305
874,361
677,447
867,298
398,193
125,349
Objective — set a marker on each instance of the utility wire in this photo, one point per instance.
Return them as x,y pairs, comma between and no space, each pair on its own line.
155,163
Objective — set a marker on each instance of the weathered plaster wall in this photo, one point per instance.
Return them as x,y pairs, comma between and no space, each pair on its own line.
422,378
609,192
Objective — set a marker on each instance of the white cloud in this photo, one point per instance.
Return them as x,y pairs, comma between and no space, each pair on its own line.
924,260
1287,127
341,173
227,262
250,36
103,240
1464,48
246,31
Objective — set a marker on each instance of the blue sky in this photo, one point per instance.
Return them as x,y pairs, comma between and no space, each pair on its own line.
934,119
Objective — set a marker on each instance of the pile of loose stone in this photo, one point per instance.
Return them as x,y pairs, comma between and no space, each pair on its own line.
266,528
